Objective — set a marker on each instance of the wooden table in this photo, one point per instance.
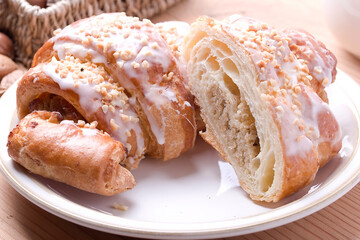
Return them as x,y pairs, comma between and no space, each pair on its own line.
20,219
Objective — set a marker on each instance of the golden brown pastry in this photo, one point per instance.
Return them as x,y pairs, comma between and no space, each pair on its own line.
261,95
121,72
83,157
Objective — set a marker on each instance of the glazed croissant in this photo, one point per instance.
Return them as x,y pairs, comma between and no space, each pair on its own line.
124,75
261,94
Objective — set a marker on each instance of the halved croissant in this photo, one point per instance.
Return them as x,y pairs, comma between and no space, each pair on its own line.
260,93
122,73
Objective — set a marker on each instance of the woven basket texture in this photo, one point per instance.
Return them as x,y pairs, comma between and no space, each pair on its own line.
30,26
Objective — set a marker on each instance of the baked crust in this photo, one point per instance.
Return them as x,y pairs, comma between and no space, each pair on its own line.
261,95
60,150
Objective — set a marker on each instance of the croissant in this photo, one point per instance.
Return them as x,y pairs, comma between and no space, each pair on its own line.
122,73
261,95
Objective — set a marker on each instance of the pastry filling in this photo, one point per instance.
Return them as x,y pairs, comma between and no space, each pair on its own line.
54,103
229,116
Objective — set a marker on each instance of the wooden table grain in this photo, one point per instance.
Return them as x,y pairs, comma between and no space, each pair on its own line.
20,219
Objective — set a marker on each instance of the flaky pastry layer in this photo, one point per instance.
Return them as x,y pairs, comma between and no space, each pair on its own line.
261,94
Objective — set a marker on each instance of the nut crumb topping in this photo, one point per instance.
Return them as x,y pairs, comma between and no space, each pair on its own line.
135,49
292,70
120,207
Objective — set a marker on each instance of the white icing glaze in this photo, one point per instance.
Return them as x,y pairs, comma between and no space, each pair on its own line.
80,51
318,59
91,101
268,37
181,28
285,80
156,128
312,108
156,90
67,122
186,103
130,43
85,131
89,131
295,141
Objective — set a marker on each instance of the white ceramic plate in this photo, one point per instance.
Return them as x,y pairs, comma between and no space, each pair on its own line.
196,195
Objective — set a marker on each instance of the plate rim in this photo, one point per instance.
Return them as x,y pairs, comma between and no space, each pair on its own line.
212,232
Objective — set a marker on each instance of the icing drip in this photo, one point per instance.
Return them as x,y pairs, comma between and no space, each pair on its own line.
294,139
313,109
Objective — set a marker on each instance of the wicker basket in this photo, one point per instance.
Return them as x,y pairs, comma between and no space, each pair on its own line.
30,26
